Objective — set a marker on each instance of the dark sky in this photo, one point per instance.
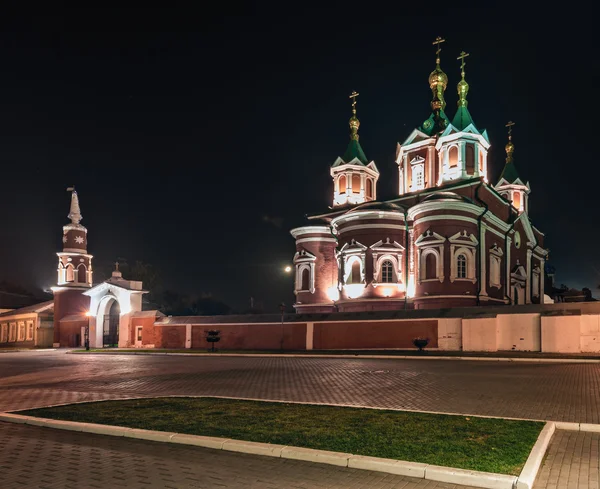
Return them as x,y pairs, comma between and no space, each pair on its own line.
197,139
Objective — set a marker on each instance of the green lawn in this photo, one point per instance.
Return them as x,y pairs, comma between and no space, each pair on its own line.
490,445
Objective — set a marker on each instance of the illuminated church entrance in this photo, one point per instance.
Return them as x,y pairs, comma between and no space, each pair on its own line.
111,326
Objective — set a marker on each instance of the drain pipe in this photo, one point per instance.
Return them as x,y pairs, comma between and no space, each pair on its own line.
405,258
479,219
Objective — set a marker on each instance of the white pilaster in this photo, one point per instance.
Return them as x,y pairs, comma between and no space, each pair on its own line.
462,158
528,280
507,285
188,335
483,260
542,280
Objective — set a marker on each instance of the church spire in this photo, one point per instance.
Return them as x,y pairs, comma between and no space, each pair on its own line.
75,211
509,173
438,80
354,122
463,118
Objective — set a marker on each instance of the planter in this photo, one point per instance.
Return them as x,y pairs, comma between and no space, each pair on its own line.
421,343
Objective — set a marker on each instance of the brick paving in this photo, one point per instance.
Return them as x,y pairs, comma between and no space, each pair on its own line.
550,391
33,457
571,462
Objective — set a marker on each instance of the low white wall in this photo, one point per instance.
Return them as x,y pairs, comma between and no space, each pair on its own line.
479,334
590,333
519,332
561,334
450,334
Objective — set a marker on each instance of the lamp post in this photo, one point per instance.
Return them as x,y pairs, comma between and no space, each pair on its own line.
282,307
86,333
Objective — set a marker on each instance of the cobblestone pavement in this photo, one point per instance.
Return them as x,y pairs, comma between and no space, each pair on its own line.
571,462
552,391
33,457
549,391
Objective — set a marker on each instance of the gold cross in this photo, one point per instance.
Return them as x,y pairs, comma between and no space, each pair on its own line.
462,57
438,41
509,125
353,97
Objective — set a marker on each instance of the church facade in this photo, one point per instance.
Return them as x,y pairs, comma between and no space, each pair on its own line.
450,238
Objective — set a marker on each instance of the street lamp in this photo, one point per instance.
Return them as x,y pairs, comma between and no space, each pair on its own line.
86,334
287,269
282,307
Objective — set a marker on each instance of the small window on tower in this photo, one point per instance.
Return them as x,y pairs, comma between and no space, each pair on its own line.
355,184
430,266
305,279
517,200
470,162
480,162
453,156
355,277
369,188
70,273
342,184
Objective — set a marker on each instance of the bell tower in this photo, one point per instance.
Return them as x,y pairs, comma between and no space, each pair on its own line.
74,262
510,184
354,178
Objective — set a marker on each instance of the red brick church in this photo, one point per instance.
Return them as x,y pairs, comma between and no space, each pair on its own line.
450,238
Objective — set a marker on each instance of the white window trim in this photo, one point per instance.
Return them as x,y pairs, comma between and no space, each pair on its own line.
348,254
392,251
496,253
469,253
430,242
417,167
349,261
535,282
21,337
27,329
303,260
12,328
4,333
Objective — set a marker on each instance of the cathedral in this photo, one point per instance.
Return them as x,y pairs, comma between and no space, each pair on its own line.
450,238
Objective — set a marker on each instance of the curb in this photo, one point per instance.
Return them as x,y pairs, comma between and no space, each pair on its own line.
534,461
370,357
450,475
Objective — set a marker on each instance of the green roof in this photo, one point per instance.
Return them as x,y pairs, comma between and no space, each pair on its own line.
354,151
462,119
509,173
431,125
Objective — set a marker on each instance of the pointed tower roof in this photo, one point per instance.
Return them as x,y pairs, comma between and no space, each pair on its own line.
354,149
509,173
438,81
463,118
74,211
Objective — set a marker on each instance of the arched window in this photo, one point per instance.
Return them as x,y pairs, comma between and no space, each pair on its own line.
81,274
342,184
304,282
453,156
495,271
355,277
70,273
387,272
517,199
470,160
355,184
461,266
369,188
430,266
480,162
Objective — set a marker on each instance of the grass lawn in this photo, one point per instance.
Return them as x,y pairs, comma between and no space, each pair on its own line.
489,445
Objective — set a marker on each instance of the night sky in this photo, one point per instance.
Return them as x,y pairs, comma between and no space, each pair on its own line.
197,139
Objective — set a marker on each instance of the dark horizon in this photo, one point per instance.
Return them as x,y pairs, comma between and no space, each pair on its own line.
197,151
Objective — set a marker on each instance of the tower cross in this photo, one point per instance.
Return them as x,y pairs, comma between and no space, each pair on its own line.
509,125
353,97
462,57
116,266
437,42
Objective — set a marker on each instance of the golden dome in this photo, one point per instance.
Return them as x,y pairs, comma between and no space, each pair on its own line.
510,148
354,125
438,77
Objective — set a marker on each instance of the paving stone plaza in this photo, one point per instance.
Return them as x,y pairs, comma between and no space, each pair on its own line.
44,458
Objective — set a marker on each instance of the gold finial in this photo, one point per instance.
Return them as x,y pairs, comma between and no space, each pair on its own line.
463,86
510,147
462,57
116,266
354,122
437,42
